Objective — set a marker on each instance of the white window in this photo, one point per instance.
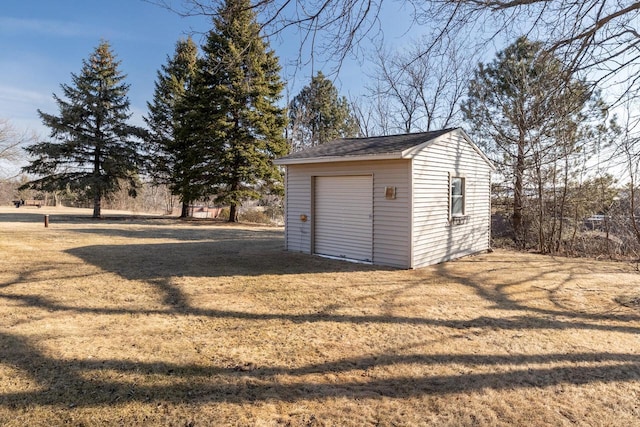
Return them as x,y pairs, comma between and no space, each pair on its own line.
456,196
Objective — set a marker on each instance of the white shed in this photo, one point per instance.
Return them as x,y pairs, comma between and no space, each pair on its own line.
403,200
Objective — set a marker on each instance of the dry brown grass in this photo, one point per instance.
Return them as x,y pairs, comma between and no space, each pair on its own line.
161,322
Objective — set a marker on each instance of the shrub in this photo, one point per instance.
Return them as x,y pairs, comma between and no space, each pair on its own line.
256,216
224,214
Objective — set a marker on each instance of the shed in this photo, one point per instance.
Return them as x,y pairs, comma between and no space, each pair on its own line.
405,201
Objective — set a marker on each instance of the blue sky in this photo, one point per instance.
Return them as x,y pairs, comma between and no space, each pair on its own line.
44,41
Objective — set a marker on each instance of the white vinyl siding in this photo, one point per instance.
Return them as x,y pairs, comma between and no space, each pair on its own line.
436,236
297,232
343,207
391,217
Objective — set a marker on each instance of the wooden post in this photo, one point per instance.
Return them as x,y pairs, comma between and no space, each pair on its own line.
46,221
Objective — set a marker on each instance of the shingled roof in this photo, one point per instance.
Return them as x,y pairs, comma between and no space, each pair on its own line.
345,148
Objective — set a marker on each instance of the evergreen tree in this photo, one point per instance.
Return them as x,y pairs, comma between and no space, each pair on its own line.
230,120
92,149
318,115
168,155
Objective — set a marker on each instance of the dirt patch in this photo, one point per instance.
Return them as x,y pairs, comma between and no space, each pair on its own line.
162,322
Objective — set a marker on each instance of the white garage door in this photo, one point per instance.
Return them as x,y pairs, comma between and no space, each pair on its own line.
344,216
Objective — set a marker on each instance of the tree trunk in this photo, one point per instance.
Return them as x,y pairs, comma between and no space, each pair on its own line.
632,208
233,213
184,213
542,244
97,195
563,204
97,204
518,199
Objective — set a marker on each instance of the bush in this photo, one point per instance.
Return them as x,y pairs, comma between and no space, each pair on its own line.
254,215
274,211
224,214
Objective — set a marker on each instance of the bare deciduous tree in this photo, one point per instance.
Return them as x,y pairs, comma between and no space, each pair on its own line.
373,114
10,143
597,35
628,154
336,27
423,89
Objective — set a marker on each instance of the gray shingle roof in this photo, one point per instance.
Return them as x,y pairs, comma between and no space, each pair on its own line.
378,145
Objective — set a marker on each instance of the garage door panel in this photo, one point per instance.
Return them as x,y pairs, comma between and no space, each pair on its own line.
343,216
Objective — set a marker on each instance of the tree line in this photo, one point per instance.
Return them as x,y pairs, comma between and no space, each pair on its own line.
215,122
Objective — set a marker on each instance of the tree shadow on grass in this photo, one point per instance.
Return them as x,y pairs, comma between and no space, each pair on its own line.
231,254
258,253
87,382
75,383
90,382
177,303
501,299
247,253
178,231
33,214
22,217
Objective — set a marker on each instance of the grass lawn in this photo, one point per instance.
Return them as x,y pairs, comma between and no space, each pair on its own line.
132,321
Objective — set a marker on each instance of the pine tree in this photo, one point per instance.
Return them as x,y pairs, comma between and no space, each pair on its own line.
167,155
529,115
92,148
318,115
231,122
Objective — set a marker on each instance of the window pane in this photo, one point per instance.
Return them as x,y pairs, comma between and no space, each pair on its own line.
456,186
456,205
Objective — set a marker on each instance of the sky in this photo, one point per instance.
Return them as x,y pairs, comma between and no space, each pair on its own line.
44,41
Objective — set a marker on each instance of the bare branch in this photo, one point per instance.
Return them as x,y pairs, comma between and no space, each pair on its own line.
11,143
331,28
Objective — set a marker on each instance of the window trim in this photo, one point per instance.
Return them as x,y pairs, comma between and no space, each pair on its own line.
463,196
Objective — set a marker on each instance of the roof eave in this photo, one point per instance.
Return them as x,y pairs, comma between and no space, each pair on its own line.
333,159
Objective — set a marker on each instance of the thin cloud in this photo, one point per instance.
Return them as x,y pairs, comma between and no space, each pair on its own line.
15,95
19,106
45,27
54,28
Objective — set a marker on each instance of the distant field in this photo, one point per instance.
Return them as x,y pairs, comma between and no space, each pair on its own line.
155,321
